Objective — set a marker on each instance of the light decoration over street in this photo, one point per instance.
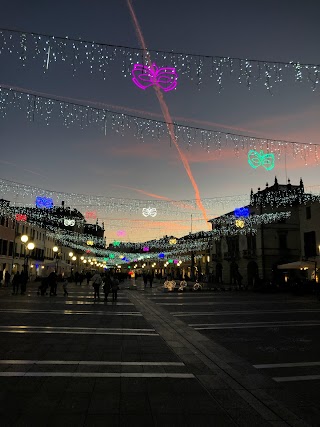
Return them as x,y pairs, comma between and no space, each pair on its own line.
145,76
241,212
21,217
69,222
44,202
90,215
149,212
70,114
49,50
240,223
256,159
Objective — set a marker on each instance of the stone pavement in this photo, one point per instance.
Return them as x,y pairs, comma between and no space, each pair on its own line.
77,361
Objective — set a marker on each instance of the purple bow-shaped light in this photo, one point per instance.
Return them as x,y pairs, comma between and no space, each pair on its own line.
145,76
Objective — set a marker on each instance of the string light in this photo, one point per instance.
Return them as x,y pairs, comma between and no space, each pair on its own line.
98,58
72,114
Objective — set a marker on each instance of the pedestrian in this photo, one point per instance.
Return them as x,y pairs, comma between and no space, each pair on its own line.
107,286
145,279
16,283
88,277
115,288
23,281
239,279
7,277
151,277
96,283
81,277
65,287
77,277
52,282
42,289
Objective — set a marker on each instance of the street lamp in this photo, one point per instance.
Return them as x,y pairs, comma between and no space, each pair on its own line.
30,246
56,257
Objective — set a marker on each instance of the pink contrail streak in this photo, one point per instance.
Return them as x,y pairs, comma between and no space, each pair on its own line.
167,117
157,196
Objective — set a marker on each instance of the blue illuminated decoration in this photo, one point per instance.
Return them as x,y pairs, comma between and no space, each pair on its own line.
241,212
44,202
161,255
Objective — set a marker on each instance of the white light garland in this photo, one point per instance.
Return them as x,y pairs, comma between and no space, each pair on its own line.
97,58
76,114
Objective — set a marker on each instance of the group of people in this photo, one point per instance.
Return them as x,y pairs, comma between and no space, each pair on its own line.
148,277
19,280
110,284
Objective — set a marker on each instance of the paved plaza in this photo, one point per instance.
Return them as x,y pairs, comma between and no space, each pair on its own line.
159,359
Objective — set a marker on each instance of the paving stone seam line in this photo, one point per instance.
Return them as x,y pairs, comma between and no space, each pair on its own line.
19,331
98,374
258,400
168,327
86,362
69,312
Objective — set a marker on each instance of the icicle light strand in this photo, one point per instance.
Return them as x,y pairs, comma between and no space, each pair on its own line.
71,114
98,58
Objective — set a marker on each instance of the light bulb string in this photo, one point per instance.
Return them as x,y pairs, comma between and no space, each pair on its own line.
157,51
178,126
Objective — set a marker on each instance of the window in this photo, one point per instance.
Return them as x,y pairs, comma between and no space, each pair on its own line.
2,220
310,248
10,248
218,247
4,247
251,243
308,212
283,241
233,245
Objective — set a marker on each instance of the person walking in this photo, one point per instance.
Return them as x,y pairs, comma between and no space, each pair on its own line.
81,277
65,287
115,288
107,286
96,283
145,279
52,282
7,277
88,277
16,283
151,277
23,280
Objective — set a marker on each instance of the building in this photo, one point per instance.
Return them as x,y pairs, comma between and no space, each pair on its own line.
309,215
255,253
56,234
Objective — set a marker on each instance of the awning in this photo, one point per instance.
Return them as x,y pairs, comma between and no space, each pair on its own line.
61,263
297,265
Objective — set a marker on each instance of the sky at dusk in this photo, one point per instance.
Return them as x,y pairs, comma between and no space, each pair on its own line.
87,161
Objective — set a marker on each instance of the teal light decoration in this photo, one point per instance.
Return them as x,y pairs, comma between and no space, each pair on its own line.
256,159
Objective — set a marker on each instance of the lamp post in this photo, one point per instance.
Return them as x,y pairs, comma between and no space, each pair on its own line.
73,258
56,257
30,246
